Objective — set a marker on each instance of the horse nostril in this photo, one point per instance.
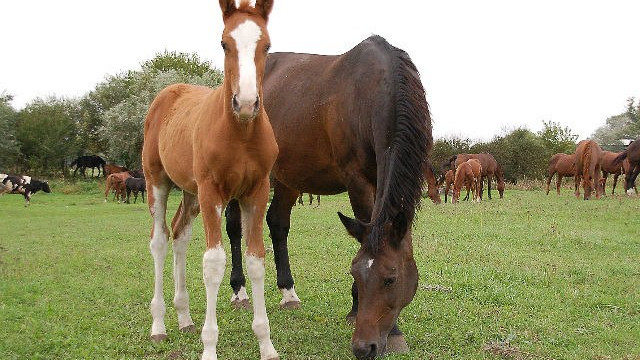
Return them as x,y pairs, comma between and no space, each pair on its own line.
235,104
373,352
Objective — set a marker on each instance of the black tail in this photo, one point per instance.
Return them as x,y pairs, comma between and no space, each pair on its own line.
620,158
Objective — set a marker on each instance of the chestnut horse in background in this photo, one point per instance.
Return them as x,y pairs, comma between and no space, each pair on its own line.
116,183
215,145
109,169
490,168
588,167
610,166
447,179
632,154
357,122
464,177
563,165
432,184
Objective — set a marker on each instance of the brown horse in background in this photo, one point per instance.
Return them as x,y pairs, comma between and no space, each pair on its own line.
588,167
464,177
432,184
610,166
116,183
448,179
216,145
564,166
490,169
632,154
109,169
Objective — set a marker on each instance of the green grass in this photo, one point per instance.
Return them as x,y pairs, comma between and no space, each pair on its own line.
530,276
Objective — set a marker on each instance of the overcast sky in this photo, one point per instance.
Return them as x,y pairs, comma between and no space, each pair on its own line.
487,65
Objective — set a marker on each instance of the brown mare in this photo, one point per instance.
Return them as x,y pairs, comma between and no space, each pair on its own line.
490,168
109,169
610,166
469,175
116,183
216,145
357,122
564,166
432,184
588,156
632,154
448,179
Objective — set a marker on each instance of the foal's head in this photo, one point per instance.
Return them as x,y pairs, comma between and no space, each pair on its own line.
386,277
245,42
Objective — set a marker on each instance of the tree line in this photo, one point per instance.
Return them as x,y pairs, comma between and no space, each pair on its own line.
45,136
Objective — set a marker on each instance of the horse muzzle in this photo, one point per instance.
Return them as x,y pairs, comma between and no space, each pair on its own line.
245,109
365,350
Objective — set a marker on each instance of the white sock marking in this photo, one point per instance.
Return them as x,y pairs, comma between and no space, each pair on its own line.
241,295
260,326
158,247
289,295
181,297
213,263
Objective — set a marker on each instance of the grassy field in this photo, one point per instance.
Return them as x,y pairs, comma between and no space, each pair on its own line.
526,277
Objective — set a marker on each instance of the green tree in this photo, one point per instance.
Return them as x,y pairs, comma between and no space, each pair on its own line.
9,147
181,62
557,139
445,148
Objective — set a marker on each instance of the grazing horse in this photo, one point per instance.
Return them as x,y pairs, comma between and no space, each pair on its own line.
469,175
215,145
588,165
626,167
632,154
135,185
447,179
22,184
88,161
113,169
490,168
564,166
610,166
357,122
432,184
116,183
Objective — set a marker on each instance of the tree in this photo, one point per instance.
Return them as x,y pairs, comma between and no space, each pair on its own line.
9,147
557,139
445,148
619,127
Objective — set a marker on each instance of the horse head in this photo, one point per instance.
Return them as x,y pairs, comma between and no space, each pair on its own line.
246,43
386,277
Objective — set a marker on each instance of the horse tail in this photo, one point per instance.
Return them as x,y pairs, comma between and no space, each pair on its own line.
618,159
411,142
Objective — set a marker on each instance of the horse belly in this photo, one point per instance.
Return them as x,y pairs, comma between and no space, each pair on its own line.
177,160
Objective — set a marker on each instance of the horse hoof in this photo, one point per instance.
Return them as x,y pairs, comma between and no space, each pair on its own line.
241,304
158,338
290,305
189,329
396,345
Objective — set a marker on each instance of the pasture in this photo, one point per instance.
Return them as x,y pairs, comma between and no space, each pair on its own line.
529,276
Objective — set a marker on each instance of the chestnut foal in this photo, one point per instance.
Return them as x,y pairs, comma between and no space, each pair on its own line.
216,145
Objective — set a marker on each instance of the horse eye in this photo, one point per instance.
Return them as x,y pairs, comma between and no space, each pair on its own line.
389,281
267,47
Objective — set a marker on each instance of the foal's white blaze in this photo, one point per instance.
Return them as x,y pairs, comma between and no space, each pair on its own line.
158,247
246,36
260,326
213,263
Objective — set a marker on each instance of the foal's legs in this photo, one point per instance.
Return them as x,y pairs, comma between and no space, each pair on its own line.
558,183
239,298
158,246
181,228
615,181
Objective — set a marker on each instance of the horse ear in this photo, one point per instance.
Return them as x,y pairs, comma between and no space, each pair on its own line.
227,7
354,227
264,8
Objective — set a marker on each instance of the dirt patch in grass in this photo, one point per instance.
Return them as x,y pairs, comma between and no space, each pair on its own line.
507,351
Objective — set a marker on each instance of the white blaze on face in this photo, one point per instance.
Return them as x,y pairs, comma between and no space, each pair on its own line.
246,36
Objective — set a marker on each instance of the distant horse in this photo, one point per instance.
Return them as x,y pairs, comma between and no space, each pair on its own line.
216,145
88,161
357,122
626,167
564,166
113,169
22,184
468,174
632,154
447,179
490,168
136,173
610,166
135,185
588,166
432,184
116,183
301,202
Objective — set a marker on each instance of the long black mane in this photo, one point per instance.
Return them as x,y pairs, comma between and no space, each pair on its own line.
406,157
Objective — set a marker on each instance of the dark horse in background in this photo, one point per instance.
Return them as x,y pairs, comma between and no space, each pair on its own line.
632,154
88,161
357,122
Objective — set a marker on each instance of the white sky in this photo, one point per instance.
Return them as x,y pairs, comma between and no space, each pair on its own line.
486,65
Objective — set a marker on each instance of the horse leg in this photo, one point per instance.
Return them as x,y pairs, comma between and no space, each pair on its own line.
158,246
128,195
239,298
577,183
599,186
549,182
213,264
253,209
489,186
604,181
558,183
631,178
615,181
181,228
279,221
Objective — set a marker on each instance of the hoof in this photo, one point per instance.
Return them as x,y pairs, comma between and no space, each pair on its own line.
241,304
158,338
396,345
189,329
290,305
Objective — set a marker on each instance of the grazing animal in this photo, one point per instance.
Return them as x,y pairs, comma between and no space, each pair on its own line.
564,166
609,167
113,169
135,185
88,161
361,124
216,145
588,166
432,184
631,154
116,183
447,179
626,167
490,168
22,184
468,175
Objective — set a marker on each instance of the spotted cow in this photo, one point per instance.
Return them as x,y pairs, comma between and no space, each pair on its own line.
22,184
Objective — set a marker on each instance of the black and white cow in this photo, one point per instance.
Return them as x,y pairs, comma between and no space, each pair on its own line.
22,184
